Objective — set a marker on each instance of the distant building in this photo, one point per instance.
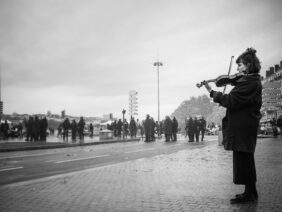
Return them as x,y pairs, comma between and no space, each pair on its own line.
271,93
108,116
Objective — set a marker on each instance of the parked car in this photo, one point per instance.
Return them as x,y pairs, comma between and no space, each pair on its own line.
212,131
266,128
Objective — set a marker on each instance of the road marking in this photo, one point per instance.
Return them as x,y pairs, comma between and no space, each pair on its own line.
64,161
48,161
8,169
23,156
141,150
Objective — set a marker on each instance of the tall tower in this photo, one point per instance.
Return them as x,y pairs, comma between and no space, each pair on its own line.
158,64
133,104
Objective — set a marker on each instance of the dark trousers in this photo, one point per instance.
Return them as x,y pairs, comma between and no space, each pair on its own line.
244,169
73,134
167,137
65,134
147,135
174,136
191,136
197,134
203,134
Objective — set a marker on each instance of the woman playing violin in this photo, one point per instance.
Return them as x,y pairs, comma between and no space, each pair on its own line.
240,126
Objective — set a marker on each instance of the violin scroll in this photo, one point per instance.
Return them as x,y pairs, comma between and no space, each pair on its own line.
204,82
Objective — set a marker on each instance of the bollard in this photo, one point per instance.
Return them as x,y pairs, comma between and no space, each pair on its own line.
220,138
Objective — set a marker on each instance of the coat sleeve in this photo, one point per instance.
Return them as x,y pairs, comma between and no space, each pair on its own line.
240,97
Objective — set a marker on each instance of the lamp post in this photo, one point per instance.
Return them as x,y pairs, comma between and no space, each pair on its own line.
123,112
158,64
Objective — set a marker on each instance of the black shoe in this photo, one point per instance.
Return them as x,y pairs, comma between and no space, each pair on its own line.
239,195
245,198
256,194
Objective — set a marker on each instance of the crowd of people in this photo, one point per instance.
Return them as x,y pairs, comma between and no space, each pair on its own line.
36,129
10,130
148,128
194,127
76,128
128,129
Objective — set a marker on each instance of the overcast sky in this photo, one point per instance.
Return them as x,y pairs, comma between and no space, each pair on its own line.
85,56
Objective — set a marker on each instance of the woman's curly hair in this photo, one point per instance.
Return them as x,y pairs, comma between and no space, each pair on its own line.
250,59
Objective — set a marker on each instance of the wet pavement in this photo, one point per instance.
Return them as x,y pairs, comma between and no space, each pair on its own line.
57,142
196,179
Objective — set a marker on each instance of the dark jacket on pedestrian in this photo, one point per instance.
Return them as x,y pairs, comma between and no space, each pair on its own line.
167,126
174,125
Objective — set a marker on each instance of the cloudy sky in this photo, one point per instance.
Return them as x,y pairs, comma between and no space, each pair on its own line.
85,56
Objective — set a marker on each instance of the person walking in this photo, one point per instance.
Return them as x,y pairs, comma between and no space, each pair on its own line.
273,123
153,126
125,128
91,130
29,135
168,129
5,130
119,128
80,128
196,128
174,129
66,126
279,124
147,128
132,128
202,126
36,128
190,129
73,128
240,125
43,128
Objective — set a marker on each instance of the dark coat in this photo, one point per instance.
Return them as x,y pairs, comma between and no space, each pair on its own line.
243,103
174,125
73,126
203,124
66,124
190,125
147,124
167,126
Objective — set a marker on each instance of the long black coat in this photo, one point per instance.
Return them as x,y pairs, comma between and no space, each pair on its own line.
243,105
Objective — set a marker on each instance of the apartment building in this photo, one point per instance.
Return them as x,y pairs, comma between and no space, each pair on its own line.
271,93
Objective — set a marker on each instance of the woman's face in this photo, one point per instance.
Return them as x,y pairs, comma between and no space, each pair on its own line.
242,67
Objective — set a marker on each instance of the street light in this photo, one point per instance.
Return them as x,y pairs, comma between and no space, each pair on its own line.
158,64
123,112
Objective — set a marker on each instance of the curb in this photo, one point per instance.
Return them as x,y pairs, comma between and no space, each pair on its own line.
60,145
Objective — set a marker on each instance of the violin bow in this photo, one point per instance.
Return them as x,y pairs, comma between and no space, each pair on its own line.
230,65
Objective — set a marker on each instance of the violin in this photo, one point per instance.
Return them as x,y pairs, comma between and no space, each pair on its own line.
223,80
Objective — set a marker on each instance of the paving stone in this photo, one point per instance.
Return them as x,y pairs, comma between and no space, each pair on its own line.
198,179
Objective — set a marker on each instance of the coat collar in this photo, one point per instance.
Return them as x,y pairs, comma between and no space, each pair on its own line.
249,77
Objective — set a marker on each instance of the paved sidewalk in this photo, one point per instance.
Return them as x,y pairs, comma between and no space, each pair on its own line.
198,179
